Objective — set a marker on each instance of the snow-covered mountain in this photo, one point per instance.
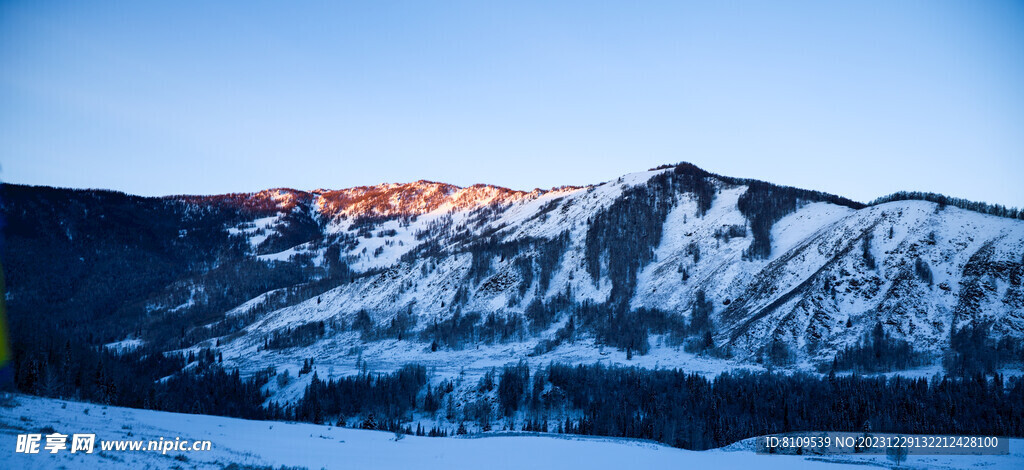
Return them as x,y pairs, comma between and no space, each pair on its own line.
341,271
832,269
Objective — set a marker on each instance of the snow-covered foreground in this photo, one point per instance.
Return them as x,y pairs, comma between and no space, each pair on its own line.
267,443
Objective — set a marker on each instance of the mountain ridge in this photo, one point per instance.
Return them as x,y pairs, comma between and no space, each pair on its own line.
645,263
977,206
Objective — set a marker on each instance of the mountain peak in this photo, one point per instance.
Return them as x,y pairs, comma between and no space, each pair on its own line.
410,199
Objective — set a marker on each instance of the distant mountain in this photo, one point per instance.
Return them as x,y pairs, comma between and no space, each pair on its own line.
737,269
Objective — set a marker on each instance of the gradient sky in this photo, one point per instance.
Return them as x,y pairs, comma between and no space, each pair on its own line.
855,98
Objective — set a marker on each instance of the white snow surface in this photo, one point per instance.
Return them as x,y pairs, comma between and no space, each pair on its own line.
270,443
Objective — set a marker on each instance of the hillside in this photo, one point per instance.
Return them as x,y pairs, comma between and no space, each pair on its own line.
672,267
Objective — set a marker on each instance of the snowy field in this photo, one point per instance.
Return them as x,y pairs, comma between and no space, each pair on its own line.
264,443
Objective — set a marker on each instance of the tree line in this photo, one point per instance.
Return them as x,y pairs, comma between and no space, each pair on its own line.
942,200
691,411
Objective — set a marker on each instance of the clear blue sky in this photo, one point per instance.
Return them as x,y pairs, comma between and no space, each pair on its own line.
855,98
